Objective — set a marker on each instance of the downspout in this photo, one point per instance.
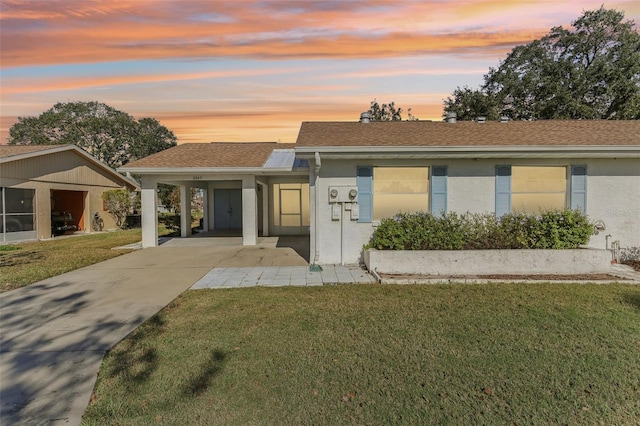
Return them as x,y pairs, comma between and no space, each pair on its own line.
315,211
341,233
264,201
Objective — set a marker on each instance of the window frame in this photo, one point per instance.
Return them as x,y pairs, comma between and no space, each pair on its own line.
504,187
365,184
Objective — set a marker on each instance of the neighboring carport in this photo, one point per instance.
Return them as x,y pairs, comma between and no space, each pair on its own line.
41,183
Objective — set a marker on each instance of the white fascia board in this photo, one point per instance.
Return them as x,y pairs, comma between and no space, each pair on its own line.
188,170
599,151
54,149
208,170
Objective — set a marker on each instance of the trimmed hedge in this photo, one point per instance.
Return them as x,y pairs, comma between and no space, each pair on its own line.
553,229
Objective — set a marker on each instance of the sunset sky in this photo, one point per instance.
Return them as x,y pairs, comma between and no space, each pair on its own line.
248,70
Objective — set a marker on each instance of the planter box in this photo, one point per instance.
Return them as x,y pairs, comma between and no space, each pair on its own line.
488,262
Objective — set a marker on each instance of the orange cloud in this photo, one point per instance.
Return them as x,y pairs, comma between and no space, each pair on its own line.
38,33
79,48
56,32
279,122
37,85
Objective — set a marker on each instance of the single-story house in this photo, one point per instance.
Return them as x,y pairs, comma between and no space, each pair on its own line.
341,178
39,182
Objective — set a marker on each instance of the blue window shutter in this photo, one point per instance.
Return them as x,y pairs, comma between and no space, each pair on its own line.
579,188
503,190
364,181
438,190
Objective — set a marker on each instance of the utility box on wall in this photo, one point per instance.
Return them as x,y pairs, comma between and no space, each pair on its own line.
343,194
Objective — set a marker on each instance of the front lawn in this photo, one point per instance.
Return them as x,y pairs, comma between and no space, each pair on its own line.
372,354
29,262
26,263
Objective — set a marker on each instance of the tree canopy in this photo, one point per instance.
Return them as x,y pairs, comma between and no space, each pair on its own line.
111,136
384,112
590,71
388,112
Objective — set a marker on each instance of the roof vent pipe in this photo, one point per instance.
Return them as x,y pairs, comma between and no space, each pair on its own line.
365,117
481,119
451,117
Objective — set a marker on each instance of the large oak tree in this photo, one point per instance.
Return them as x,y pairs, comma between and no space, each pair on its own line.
111,136
589,71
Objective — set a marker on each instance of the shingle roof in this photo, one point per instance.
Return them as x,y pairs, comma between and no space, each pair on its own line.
216,154
467,133
13,150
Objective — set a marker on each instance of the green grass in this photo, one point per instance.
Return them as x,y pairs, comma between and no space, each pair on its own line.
38,260
26,263
446,354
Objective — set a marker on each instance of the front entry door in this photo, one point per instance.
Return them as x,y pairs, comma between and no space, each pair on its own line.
227,209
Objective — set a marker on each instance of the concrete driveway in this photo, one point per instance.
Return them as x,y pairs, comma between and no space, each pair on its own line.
55,333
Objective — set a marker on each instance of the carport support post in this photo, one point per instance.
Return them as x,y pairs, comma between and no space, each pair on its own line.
249,211
149,215
205,208
185,211
313,208
265,209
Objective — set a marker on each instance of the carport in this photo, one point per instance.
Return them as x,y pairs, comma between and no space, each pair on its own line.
252,189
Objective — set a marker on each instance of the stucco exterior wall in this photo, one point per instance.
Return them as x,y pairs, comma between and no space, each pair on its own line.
612,196
338,241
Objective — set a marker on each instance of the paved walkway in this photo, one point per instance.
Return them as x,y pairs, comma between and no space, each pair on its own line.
279,276
625,271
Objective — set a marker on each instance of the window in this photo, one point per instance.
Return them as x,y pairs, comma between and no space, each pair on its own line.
538,188
17,212
387,191
531,189
399,189
291,204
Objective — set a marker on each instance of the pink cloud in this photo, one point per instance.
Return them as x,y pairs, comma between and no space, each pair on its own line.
58,32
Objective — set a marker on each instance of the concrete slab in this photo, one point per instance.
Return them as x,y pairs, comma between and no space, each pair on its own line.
281,276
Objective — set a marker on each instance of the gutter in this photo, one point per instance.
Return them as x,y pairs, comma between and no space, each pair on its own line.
318,165
210,170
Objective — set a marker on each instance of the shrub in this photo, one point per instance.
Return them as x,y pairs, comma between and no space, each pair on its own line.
118,203
483,231
631,256
553,229
171,221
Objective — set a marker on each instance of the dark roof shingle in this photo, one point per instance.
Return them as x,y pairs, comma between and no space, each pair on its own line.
216,154
13,150
467,133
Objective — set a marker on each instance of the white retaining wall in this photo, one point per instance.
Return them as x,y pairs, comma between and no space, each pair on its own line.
488,262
